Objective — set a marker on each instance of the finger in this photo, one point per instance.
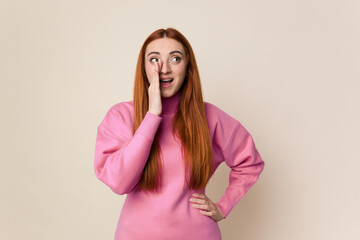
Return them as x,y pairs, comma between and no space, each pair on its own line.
156,74
199,195
206,213
159,65
197,200
201,206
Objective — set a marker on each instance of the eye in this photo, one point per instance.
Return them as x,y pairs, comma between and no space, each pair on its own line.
153,60
176,59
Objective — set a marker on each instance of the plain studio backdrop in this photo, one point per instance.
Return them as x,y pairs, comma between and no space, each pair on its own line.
288,70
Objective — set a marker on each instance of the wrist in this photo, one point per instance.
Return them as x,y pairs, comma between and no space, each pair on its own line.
153,112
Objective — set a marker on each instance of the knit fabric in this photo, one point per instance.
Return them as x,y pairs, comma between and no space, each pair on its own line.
120,157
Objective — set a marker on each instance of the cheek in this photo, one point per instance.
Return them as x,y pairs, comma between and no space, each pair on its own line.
180,70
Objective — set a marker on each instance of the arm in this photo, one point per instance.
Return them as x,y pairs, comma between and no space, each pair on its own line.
246,164
119,157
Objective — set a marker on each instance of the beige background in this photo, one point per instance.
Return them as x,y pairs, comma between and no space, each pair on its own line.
288,70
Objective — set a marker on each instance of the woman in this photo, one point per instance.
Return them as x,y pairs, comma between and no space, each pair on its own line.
162,148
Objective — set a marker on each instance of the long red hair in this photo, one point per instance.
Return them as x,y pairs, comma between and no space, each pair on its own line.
189,124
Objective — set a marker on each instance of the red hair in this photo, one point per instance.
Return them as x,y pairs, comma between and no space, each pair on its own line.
190,123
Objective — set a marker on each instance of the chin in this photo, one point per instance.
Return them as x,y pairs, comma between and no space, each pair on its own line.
167,94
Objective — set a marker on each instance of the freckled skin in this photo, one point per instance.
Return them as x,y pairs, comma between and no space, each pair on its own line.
173,65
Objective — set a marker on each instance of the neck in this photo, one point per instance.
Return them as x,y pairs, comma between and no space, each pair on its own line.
170,104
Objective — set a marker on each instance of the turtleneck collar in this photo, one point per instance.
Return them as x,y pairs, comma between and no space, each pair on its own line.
170,104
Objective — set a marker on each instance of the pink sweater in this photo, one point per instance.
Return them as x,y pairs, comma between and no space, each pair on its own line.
120,157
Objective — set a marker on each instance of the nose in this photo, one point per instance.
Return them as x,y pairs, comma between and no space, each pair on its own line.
165,68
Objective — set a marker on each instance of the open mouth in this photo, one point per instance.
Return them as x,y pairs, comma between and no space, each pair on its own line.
167,80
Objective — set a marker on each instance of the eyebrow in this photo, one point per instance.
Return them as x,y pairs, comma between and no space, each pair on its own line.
172,52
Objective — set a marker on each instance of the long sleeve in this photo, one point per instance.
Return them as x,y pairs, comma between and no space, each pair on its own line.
246,164
120,155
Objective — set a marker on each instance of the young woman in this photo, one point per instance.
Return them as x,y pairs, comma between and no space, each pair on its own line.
162,147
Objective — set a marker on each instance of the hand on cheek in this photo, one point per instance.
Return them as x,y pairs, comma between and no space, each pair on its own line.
155,105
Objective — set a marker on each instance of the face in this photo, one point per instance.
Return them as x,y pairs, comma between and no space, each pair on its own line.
171,57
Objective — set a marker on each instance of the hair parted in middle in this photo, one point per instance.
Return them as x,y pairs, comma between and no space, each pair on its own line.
189,124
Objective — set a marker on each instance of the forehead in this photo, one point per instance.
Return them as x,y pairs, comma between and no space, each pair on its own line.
164,46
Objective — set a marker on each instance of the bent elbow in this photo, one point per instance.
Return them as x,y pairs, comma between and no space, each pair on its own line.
119,187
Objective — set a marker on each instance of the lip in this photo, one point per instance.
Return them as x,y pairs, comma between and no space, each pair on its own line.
166,85
166,77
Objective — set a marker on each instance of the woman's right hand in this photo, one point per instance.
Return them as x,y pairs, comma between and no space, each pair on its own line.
155,105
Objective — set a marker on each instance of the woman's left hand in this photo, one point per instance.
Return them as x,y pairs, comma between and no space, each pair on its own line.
206,206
